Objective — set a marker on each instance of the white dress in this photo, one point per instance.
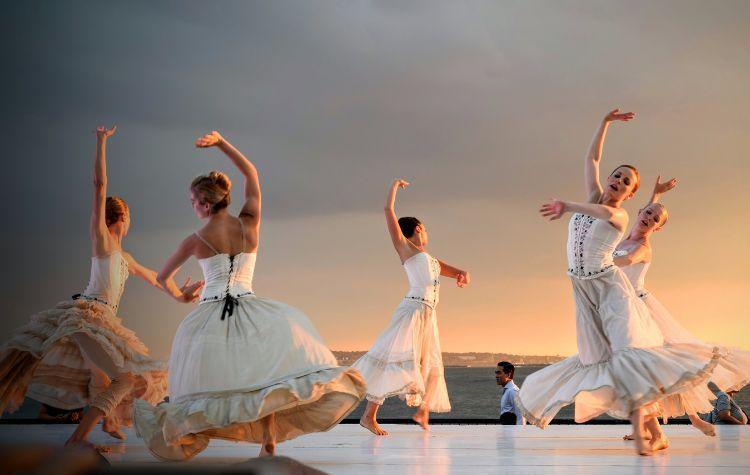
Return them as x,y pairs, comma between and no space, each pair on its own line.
238,358
406,360
42,361
732,372
623,362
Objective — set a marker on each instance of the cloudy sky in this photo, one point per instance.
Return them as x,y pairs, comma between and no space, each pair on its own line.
486,107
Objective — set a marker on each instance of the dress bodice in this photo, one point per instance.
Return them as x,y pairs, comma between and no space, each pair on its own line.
636,273
423,272
107,280
591,242
226,275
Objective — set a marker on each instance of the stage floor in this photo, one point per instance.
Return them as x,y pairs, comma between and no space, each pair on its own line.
470,449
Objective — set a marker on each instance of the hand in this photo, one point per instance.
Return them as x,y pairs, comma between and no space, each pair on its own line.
209,140
190,292
399,183
102,132
463,279
661,188
553,210
617,115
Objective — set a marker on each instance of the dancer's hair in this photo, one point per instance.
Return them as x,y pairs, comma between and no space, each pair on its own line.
115,209
408,224
507,368
637,175
213,189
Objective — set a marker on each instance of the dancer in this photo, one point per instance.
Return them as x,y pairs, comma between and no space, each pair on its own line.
242,367
79,352
405,360
623,367
634,255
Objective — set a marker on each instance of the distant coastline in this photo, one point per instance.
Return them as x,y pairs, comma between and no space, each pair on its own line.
471,359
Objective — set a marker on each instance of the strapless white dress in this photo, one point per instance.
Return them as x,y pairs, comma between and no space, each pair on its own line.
623,362
42,361
238,358
406,359
732,372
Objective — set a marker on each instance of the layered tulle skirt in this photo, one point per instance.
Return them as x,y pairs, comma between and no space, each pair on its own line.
227,373
624,362
42,361
406,360
731,373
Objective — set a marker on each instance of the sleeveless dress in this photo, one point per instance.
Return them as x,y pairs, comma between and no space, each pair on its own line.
732,372
405,359
623,362
238,358
43,362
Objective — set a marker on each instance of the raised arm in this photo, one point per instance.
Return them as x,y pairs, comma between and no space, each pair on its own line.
251,208
188,292
462,276
554,209
593,157
98,225
660,189
400,243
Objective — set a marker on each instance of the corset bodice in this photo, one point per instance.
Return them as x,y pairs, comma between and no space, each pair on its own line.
226,275
591,242
107,280
423,272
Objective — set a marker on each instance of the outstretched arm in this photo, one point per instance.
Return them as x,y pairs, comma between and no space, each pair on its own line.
661,188
594,156
98,225
617,217
462,276
400,243
188,292
139,270
640,254
251,208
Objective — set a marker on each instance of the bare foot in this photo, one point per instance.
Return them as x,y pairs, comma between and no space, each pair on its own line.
631,437
113,430
422,418
267,449
641,447
659,444
372,426
705,427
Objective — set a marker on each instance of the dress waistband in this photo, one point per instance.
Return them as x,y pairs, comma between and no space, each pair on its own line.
230,301
91,298
429,303
580,274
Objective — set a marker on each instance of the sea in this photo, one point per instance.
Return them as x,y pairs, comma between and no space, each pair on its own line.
473,394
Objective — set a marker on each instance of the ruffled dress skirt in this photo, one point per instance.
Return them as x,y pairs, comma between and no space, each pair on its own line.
43,362
227,373
732,372
406,360
624,362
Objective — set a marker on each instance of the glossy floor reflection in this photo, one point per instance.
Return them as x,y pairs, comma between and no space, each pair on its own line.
349,449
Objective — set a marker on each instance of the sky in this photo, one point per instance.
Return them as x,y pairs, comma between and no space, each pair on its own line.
487,108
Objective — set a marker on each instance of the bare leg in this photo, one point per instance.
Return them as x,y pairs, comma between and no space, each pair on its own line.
369,419
703,426
104,403
659,441
268,445
422,417
636,418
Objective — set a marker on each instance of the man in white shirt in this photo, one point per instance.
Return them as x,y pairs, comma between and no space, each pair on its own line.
510,413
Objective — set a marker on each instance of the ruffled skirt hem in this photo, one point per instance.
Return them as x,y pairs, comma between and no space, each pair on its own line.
314,402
